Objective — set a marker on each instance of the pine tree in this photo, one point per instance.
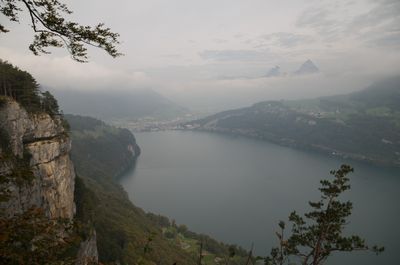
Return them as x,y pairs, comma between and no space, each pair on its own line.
319,233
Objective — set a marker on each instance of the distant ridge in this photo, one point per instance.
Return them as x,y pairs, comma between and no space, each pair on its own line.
118,104
308,67
274,71
363,125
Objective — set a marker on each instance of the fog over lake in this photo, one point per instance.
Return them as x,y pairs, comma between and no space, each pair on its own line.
237,189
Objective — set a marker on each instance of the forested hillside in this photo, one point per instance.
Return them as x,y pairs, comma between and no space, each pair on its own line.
363,125
126,233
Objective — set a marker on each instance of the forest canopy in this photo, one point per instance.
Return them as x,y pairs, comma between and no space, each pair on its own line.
22,87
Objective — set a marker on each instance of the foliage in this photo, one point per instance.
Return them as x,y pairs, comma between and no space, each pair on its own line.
21,172
106,148
160,220
174,231
53,30
49,103
319,233
23,88
19,85
33,238
4,142
85,201
3,101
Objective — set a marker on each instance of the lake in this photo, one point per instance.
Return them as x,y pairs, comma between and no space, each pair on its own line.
237,189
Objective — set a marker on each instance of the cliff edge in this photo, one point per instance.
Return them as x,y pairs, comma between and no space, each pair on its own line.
36,172
39,143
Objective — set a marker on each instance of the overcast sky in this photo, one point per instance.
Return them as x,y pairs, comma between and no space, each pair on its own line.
214,53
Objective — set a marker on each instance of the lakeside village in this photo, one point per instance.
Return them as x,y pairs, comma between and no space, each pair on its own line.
150,124
185,122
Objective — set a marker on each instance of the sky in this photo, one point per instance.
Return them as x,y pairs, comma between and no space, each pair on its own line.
214,54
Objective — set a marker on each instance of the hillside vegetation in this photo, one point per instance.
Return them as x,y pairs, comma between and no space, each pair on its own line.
125,233
23,88
363,125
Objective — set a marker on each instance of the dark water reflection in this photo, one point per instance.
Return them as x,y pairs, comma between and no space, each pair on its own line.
237,189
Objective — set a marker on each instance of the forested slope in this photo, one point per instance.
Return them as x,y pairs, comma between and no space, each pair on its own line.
125,232
364,125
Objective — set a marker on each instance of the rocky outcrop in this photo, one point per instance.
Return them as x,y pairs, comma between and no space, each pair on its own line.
41,139
88,251
38,145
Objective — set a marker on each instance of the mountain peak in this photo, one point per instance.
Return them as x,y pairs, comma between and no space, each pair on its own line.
308,67
274,71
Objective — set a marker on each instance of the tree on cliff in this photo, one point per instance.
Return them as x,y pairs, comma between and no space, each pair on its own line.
53,30
19,85
314,241
49,103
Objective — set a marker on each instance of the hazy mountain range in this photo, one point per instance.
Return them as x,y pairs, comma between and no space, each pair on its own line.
114,104
308,67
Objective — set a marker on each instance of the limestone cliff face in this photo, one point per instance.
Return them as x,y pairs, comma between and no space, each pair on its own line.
43,140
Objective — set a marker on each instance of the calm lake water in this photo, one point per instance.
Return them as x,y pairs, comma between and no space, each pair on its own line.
237,189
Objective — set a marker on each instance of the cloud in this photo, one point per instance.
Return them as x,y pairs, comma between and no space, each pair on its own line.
317,18
367,23
382,13
236,55
227,93
380,26
389,40
220,41
238,35
286,39
63,72
172,56
171,48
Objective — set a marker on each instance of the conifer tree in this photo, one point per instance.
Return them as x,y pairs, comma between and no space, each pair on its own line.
319,233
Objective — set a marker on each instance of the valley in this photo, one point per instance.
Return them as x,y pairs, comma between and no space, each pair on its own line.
199,132
236,189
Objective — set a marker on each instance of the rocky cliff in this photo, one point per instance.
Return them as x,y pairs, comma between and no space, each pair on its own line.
36,170
41,141
88,253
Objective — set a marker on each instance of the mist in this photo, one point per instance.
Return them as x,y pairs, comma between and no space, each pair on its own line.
220,119
212,56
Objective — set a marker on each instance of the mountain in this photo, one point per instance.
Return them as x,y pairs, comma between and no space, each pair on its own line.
274,71
364,125
308,67
118,104
60,202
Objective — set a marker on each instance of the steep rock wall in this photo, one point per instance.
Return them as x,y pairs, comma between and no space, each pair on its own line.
43,140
